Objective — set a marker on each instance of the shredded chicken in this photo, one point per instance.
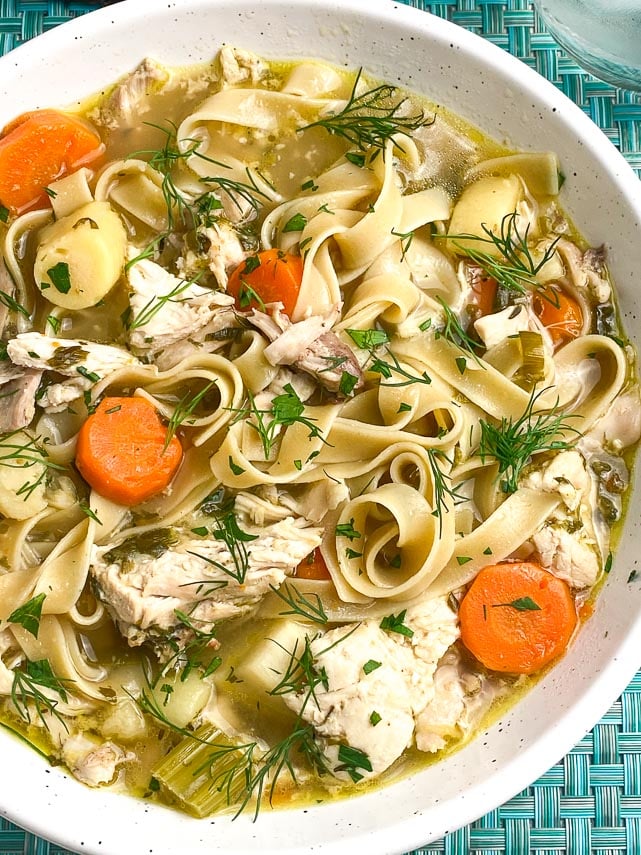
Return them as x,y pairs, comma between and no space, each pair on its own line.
83,362
92,762
310,346
129,100
493,329
586,270
567,543
209,578
460,698
570,555
225,251
19,399
166,310
240,66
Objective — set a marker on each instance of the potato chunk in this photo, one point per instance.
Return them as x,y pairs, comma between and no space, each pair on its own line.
81,257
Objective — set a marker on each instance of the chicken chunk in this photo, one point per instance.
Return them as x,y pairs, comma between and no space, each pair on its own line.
92,762
131,97
167,310
567,541
586,270
493,329
220,575
224,252
460,698
566,475
570,555
310,346
240,66
19,399
367,675
620,426
375,683
83,362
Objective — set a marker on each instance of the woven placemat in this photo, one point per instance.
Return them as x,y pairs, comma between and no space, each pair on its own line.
590,802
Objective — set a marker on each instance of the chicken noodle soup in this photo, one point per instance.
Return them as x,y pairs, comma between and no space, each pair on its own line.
317,420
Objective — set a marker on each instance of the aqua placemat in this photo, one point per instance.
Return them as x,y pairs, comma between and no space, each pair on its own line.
589,803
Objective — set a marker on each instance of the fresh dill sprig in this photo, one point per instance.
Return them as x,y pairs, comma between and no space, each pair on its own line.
163,160
189,213
232,535
308,607
195,653
512,443
387,369
184,411
13,305
406,239
369,119
516,269
20,451
246,771
155,304
443,489
34,686
286,409
372,340
453,331
302,673
247,191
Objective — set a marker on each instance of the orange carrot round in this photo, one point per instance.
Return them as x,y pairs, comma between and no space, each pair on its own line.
313,567
270,276
517,617
560,313
36,149
123,451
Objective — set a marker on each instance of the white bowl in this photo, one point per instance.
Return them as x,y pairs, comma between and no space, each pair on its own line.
511,102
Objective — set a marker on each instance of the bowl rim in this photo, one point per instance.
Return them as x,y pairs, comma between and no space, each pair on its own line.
533,760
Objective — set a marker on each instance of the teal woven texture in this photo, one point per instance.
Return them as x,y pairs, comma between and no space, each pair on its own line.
589,803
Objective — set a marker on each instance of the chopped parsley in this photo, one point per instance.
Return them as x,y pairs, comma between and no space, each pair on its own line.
60,278
395,623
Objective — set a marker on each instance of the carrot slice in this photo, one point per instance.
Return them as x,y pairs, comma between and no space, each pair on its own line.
36,149
483,294
560,313
270,276
313,567
517,617
123,453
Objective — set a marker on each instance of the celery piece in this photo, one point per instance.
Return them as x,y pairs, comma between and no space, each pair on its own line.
204,774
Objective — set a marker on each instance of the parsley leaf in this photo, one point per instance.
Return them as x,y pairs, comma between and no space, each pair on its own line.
296,223
395,623
59,275
29,614
522,604
353,759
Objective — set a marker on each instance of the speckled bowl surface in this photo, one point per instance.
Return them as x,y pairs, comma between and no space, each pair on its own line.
512,103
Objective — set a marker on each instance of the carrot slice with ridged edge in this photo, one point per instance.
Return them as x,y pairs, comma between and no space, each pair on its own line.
36,149
124,453
517,617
